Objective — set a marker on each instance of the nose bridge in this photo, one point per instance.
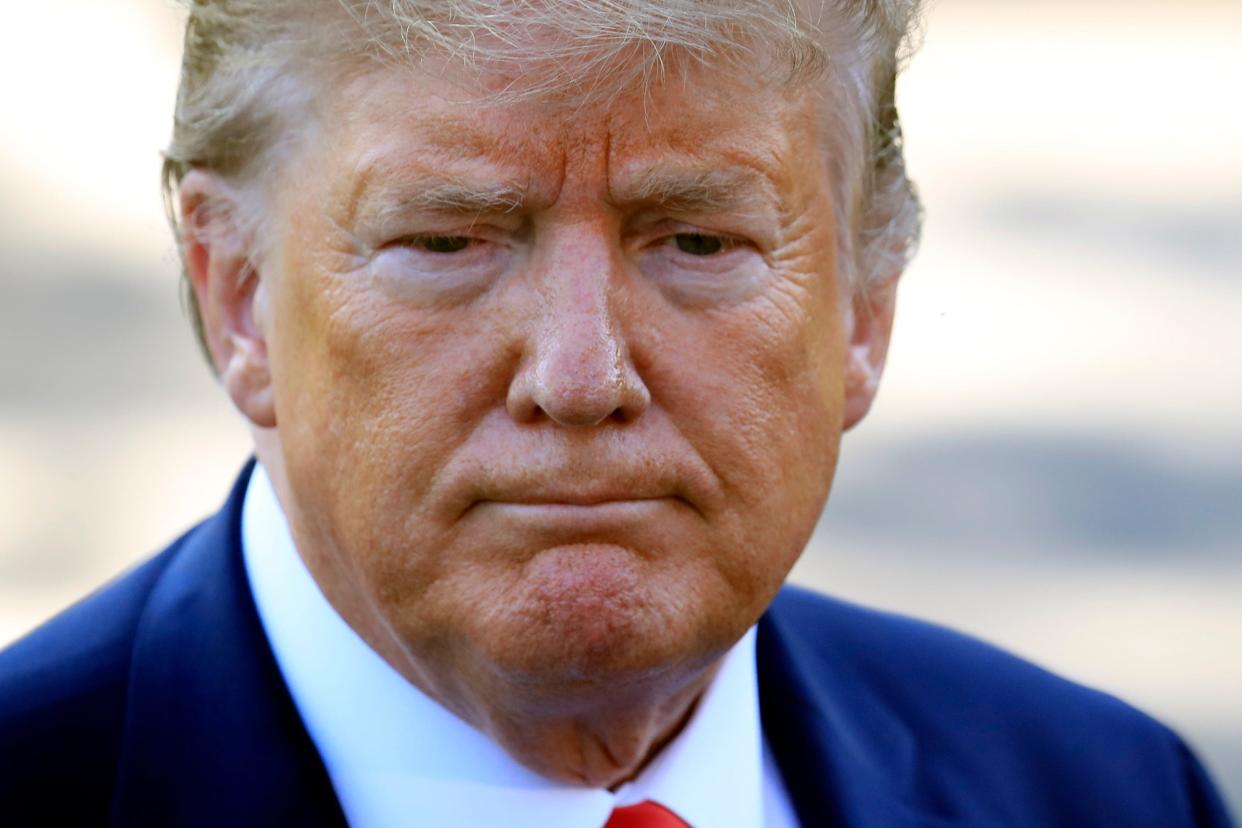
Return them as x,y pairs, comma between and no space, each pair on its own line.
577,368
579,332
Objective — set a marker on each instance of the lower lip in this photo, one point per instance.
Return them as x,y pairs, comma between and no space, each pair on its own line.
611,511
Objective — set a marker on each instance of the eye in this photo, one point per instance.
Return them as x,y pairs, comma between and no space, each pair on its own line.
699,244
439,244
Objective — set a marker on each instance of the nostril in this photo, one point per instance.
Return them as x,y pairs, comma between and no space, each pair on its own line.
635,398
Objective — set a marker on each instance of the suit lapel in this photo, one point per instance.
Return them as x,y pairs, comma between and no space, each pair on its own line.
211,735
846,759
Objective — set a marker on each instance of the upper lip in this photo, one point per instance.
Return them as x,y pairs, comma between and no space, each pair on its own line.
575,499
562,490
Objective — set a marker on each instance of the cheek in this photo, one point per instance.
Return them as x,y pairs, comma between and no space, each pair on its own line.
784,396
373,398
786,351
774,368
757,389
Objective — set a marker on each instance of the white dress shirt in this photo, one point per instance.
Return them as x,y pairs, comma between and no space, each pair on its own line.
397,759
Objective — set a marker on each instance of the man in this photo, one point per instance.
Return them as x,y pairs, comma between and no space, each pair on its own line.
547,318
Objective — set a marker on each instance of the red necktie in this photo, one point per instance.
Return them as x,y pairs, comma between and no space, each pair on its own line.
645,815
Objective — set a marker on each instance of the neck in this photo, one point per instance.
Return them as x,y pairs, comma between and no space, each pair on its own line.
599,742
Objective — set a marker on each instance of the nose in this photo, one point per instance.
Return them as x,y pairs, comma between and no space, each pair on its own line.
576,367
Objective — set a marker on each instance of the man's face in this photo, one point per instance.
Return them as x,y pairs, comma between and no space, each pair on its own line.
558,390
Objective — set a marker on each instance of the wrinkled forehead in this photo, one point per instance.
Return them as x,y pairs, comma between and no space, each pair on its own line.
708,139
507,108
549,62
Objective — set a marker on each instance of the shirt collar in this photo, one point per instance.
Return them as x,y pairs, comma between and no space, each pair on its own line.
396,757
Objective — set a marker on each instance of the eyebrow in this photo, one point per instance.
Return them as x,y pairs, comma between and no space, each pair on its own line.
450,196
379,191
443,195
677,189
701,191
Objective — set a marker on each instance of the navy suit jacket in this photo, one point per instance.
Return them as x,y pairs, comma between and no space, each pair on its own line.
157,702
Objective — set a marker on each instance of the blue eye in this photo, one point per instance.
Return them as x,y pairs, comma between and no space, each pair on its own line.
699,244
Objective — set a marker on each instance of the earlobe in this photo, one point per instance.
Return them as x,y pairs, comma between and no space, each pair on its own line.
217,247
247,376
870,326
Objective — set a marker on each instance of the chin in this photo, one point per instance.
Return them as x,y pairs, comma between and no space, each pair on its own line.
585,616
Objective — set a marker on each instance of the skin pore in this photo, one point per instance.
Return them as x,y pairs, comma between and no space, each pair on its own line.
552,397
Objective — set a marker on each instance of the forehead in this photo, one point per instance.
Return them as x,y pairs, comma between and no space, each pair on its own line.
722,128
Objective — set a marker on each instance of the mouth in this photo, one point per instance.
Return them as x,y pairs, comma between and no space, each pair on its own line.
579,504
567,480
579,512
577,499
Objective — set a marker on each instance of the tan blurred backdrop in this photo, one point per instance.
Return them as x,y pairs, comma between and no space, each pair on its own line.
1055,462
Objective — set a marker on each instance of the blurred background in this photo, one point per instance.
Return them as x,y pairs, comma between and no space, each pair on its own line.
1054,464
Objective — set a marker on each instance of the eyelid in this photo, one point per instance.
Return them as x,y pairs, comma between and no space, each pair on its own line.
751,227
405,225
643,233
477,234
411,239
667,236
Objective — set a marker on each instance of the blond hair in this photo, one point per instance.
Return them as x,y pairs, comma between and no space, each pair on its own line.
246,64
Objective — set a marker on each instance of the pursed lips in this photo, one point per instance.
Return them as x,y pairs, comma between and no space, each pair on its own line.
579,508
559,522
582,503
550,488
550,477
575,499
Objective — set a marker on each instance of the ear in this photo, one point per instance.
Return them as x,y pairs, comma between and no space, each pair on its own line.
869,324
231,293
